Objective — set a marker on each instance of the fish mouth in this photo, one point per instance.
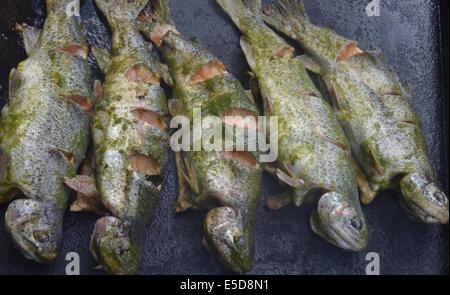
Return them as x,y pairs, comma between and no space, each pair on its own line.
424,214
338,223
423,200
224,235
35,229
112,247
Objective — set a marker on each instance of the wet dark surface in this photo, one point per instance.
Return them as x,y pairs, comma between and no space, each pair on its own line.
409,34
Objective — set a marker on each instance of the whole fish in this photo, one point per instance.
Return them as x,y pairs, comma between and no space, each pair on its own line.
226,183
314,155
44,132
375,110
131,137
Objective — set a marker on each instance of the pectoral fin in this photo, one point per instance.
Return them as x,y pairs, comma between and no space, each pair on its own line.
103,57
184,201
310,63
30,36
367,194
248,52
279,201
87,195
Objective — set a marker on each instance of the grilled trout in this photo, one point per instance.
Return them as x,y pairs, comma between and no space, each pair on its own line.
227,183
314,155
44,132
375,110
131,138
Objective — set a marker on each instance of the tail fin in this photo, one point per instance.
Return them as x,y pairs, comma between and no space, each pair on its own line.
282,13
241,11
121,9
69,7
156,21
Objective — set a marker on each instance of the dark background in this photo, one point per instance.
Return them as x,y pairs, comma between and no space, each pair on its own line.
409,33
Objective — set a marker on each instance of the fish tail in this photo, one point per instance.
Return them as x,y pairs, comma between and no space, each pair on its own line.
60,4
119,10
242,12
284,15
155,21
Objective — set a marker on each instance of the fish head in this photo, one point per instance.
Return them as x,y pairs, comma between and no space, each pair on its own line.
339,222
423,200
112,247
224,235
35,228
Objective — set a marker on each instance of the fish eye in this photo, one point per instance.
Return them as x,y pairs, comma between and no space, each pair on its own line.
356,223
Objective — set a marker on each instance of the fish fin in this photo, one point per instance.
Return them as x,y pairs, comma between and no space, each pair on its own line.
367,194
30,36
175,106
155,21
255,6
195,41
270,169
248,52
103,57
251,97
87,167
281,14
163,71
68,156
15,80
184,201
88,198
291,181
408,87
279,201
241,11
310,63
377,54
119,10
98,91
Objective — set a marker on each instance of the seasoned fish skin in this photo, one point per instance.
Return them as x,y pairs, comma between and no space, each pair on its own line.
44,133
314,154
130,140
225,183
375,111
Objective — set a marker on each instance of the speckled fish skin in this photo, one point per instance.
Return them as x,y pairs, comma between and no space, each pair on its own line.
314,155
375,110
44,133
226,184
131,140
